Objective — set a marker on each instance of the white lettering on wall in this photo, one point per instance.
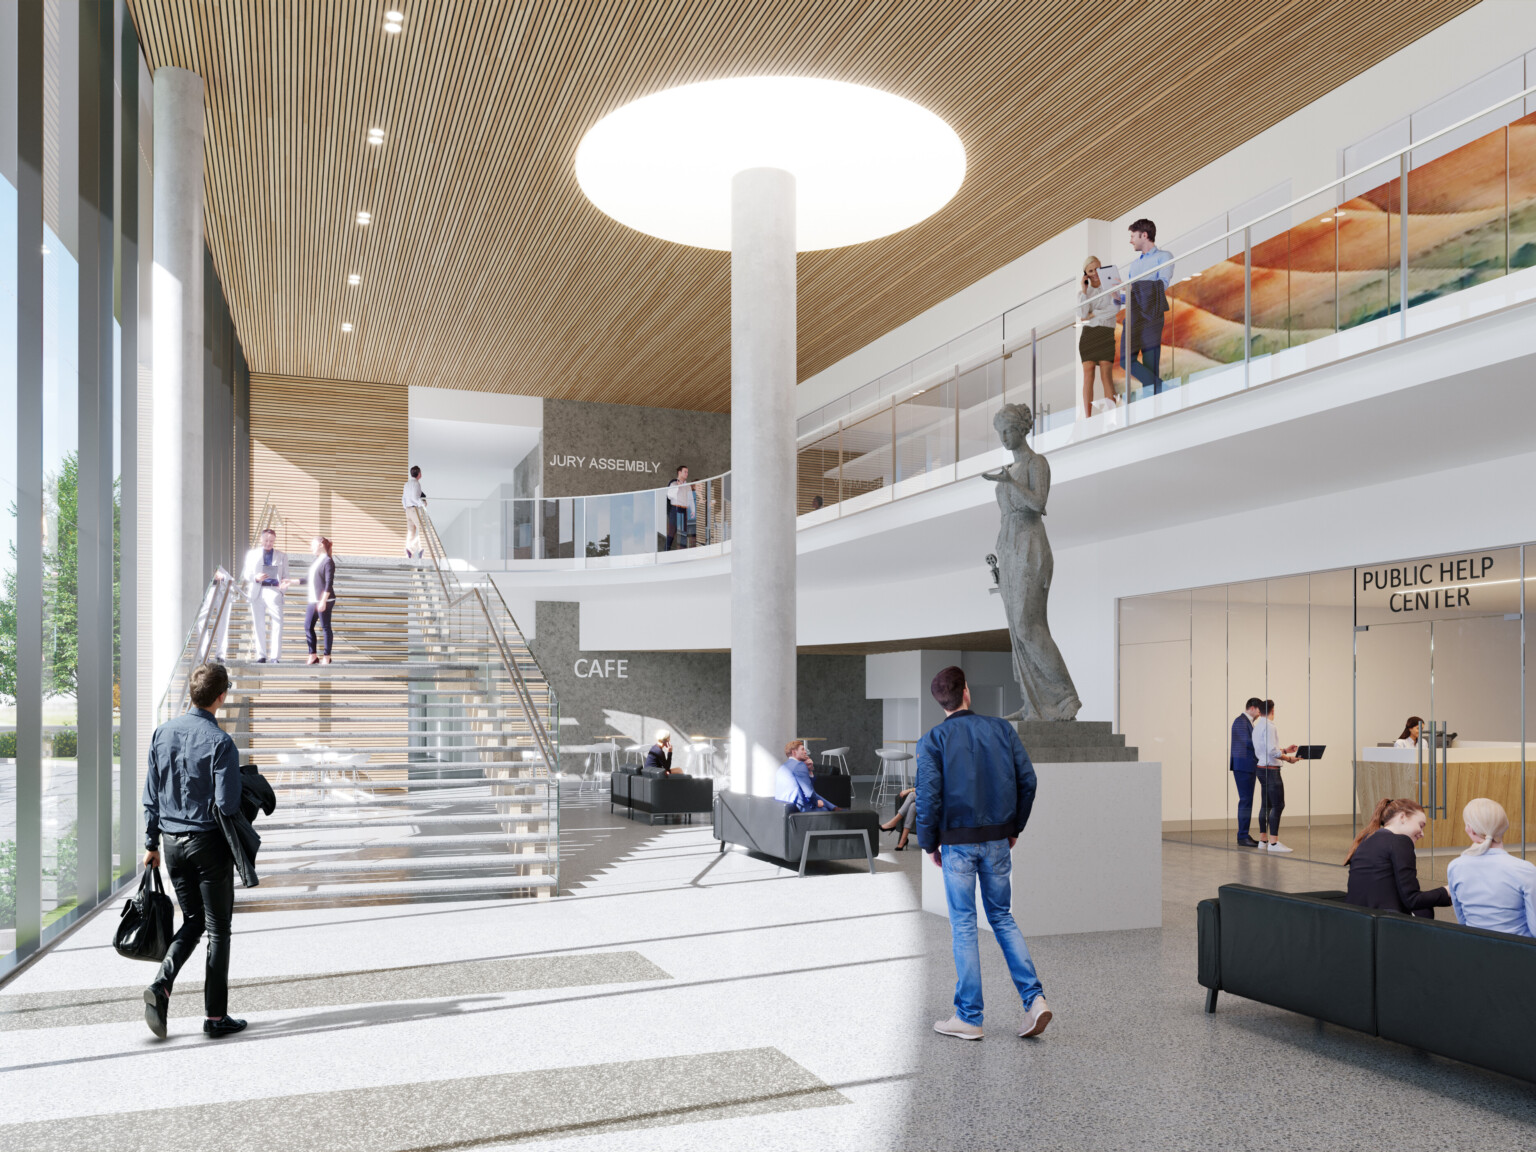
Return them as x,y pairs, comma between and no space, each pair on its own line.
610,669
605,464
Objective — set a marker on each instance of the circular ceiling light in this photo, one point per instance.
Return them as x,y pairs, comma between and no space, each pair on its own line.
865,163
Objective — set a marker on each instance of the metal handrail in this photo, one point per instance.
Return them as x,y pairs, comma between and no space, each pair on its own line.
509,662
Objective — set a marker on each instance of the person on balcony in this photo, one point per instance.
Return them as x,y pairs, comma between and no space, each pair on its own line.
413,499
793,784
1096,341
1146,300
264,578
680,508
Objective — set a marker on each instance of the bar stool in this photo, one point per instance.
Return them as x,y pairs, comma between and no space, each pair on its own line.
837,757
893,774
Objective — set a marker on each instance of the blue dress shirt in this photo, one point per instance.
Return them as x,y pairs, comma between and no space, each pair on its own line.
1142,267
793,786
193,766
1496,891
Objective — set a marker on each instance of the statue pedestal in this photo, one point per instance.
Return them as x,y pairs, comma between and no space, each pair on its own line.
1091,858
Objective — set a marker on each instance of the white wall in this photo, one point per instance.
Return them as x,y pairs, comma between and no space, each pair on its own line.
1304,150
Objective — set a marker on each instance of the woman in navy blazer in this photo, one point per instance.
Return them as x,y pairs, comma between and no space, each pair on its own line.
1383,870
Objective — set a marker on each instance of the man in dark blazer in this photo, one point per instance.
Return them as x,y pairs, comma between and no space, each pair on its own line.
1245,767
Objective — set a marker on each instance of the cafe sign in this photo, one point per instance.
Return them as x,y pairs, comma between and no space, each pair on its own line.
1443,588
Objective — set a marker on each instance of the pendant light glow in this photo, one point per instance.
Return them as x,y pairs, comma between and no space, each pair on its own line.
866,163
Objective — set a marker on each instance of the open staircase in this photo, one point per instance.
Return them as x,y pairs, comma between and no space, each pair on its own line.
416,765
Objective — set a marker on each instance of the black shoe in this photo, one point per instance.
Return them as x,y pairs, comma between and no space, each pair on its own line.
156,1004
261,659
223,1026
1247,842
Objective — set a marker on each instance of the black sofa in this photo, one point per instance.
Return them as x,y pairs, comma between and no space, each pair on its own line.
763,824
1465,993
651,793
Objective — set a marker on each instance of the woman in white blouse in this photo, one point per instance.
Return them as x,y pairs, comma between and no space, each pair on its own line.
1410,736
1096,341
1266,746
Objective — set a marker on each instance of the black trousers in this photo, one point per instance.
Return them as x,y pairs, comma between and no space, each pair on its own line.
1271,801
203,874
1244,782
311,614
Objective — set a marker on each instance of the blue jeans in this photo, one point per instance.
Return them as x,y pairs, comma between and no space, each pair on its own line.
990,863
677,527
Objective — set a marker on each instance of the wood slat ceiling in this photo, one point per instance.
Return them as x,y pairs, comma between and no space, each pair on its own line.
486,268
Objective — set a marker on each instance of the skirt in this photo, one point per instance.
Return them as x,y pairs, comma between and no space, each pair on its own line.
1096,343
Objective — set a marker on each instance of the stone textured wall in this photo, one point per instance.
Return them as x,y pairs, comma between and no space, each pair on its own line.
661,437
626,696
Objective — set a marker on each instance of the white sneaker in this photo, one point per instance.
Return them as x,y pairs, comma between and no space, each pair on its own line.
1276,846
958,1028
1035,1020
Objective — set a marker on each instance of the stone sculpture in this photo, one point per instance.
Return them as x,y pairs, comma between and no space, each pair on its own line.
1026,566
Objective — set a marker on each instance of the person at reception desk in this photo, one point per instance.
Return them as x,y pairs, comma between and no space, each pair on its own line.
793,784
1245,765
1410,736
1383,870
659,758
1490,888
1268,754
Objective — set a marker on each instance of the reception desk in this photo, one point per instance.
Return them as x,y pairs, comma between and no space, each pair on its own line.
1472,768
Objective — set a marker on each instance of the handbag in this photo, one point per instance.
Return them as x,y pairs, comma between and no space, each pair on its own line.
144,932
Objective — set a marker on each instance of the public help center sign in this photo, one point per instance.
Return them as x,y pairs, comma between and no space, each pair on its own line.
1465,584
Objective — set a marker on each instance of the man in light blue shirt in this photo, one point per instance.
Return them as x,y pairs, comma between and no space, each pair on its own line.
793,784
1146,299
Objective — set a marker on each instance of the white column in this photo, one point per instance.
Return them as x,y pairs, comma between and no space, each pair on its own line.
177,575
762,475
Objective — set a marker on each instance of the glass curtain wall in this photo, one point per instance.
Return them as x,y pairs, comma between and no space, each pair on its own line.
1353,659
69,274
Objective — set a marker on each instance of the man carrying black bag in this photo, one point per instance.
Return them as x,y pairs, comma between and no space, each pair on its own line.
194,770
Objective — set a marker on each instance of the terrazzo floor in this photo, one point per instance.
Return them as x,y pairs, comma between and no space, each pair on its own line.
678,998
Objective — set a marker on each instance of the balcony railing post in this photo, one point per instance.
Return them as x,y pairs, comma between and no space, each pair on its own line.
1034,384
839,467
1247,306
1402,244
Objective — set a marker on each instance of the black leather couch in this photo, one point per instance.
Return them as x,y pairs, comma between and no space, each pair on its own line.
763,824
652,793
1464,993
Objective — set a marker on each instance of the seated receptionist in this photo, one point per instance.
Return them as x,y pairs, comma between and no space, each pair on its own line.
1383,871
793,784
1410,736
660,755
1489,887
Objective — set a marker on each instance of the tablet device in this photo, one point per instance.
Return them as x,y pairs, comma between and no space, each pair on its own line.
1109,277
1310,752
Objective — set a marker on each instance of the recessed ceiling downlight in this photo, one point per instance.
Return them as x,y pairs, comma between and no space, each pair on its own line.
866,163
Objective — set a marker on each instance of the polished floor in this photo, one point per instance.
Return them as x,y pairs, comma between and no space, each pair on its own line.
680,999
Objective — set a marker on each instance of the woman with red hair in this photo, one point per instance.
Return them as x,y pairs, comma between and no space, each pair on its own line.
1383,870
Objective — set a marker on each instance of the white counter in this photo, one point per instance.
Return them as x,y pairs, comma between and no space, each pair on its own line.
1091,859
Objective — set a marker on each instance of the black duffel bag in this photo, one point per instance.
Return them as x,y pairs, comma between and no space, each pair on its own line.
144,932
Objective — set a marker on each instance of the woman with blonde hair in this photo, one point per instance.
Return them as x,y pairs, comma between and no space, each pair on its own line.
1096,341
1383,870
1490,888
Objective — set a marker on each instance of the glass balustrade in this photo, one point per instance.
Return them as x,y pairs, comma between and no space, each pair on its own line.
1449,222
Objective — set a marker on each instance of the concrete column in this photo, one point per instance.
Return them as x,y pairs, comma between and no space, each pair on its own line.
762,475
176,478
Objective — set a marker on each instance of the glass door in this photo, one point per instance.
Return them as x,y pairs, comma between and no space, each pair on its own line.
1438,647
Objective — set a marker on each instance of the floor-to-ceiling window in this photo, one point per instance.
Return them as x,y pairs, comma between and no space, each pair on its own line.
8,492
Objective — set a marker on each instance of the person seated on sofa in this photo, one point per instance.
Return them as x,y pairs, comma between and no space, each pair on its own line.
793,784
1489,887
658,761
905,818
1382,867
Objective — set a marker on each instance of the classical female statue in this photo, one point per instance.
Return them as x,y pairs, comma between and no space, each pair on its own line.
1026,565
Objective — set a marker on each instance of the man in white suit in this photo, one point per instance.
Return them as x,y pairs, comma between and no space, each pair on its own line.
264,578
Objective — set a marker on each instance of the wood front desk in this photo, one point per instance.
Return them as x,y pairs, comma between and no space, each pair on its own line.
1472,769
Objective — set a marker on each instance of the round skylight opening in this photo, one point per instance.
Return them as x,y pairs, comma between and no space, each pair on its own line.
866,163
